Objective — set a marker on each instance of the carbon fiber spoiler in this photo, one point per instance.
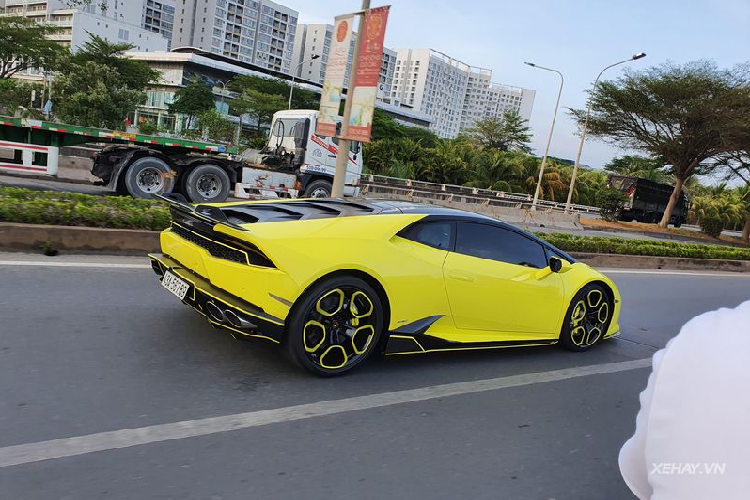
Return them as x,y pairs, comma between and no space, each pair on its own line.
206,212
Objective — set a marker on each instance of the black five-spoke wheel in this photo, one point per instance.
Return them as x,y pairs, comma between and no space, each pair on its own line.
335,326
587,319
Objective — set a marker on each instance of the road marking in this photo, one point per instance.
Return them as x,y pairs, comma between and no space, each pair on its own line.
125,438
728,274
90,265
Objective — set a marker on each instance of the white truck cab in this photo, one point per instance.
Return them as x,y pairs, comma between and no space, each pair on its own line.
296,162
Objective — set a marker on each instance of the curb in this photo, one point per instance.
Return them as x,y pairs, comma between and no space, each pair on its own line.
607,260
16,236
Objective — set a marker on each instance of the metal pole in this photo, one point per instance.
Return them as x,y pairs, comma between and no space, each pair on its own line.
342,156
223,91
549,139
585,126
291,88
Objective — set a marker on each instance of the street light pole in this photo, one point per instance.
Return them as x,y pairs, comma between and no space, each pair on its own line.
223,91
291,87
551,130
342,155
586,123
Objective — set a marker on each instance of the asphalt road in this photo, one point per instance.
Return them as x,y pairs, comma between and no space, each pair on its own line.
91,351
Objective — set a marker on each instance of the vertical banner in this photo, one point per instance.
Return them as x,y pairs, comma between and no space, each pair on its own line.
366,74
338,57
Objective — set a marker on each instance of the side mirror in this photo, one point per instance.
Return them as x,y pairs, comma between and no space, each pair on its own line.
555,264
558,265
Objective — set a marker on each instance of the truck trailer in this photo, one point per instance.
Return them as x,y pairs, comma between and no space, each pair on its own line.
294,162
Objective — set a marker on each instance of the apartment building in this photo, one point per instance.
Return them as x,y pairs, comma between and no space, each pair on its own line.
258,32
454,94
502,98
115,21
315,39
158,16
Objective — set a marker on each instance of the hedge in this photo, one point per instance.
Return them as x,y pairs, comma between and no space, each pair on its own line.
657,248
75,209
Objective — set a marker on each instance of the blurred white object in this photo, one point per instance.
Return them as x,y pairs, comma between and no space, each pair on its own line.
692,437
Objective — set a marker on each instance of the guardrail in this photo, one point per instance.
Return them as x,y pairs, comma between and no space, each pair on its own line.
445,192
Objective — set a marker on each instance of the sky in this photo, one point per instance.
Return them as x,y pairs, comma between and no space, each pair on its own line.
577,37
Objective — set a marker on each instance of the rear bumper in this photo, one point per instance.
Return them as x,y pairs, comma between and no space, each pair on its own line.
220,308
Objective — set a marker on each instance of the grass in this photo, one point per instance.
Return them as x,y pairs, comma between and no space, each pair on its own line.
621,246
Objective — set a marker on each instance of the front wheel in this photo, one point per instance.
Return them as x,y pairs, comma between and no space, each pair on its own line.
335,326
319,189
587,319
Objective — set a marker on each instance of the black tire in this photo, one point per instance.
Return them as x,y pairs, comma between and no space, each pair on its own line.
584,326
328,345
148,176
319,189
207,183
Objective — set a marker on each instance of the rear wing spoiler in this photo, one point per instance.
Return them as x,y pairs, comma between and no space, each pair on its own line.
207,213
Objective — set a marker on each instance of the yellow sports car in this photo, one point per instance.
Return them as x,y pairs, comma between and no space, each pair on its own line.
335,281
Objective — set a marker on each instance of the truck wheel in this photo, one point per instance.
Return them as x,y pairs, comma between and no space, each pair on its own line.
206,184
148,176
319,189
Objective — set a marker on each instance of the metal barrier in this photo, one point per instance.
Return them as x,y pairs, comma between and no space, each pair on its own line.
499,198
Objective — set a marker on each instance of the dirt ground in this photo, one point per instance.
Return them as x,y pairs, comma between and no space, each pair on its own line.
655,229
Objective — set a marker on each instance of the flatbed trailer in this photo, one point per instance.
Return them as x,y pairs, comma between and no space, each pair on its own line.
132,163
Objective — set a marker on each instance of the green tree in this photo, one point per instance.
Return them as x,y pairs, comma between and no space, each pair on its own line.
98,86
16,93
259,105
134,74
301,98
510,132
651,169
192,100
24,44
736,166
685,114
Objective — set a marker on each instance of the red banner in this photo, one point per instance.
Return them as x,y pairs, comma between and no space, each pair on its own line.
366,74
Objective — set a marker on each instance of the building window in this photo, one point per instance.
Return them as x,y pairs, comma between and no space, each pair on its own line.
123,34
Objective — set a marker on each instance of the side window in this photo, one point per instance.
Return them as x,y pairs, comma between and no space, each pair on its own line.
433,234
490,242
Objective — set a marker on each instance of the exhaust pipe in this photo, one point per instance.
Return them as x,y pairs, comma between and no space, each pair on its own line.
238,321
215,312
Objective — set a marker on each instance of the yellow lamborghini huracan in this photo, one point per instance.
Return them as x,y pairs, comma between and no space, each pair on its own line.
334,281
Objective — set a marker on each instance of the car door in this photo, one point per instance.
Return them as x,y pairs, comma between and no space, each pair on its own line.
493,281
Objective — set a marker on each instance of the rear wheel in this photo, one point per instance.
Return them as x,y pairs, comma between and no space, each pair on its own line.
335,326
148,176
206,184
587,319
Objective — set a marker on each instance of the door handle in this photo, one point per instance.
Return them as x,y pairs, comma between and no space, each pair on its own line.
461,277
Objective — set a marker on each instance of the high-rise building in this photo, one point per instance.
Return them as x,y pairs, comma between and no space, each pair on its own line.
158,16
452,92
259,32
502,98
315,39
114,21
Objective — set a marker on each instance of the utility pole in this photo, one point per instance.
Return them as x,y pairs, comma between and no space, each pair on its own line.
342,156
